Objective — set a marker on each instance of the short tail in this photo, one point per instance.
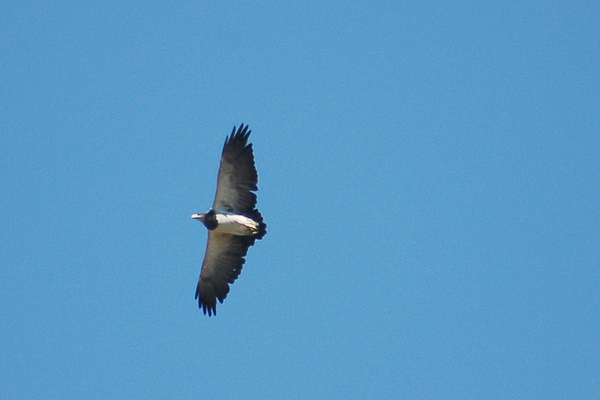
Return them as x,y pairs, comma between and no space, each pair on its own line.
262,230
262,227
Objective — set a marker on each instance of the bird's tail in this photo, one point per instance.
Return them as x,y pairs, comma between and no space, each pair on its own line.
262,230
262,227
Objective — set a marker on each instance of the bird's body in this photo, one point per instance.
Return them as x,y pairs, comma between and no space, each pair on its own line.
233,223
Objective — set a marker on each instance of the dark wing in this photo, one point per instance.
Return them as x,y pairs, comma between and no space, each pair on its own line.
237,174
222,265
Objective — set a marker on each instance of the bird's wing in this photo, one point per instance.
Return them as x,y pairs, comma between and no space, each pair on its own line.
237,174
222,265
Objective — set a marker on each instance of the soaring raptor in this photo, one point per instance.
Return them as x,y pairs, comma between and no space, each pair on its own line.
233,223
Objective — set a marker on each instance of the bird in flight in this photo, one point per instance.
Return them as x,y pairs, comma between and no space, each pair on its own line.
233,223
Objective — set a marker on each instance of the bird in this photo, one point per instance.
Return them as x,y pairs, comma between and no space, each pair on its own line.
233,222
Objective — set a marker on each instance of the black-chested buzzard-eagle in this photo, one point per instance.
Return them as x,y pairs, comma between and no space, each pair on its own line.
233,222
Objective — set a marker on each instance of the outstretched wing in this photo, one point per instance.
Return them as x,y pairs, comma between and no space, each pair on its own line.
222,265
237,174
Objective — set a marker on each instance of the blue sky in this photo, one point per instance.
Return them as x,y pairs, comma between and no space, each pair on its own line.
428,173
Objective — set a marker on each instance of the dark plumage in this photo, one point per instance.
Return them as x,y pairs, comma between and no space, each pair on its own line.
233,223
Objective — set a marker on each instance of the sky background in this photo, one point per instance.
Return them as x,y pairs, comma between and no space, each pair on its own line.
429,173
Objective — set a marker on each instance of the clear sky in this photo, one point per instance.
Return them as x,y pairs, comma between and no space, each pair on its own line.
429,173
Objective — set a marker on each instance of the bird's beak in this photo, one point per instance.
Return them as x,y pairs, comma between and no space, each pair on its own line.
196,216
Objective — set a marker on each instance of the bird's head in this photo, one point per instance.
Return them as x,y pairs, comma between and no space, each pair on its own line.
209,219
199,217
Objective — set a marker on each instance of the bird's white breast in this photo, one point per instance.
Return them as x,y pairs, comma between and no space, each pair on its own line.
234,224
